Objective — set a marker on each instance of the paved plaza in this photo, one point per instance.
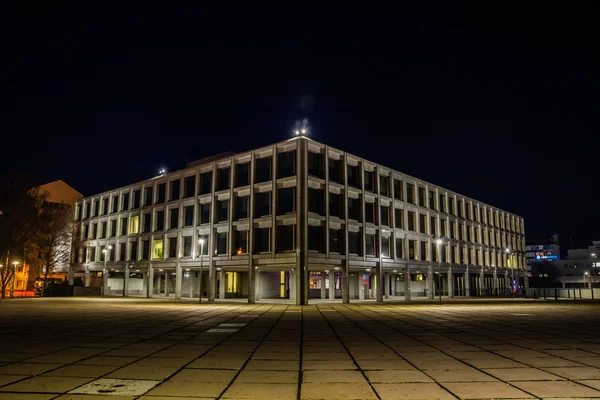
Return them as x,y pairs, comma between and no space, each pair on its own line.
145,349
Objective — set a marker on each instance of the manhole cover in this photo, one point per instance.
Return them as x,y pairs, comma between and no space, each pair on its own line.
116,387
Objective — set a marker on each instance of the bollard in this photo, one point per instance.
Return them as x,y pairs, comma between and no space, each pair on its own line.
569,293
580,294
544,294
592,290
556,294
574,295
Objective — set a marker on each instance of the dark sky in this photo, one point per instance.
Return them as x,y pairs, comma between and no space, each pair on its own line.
497,104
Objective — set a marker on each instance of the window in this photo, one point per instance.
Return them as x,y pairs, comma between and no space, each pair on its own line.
222,210
145,249
125,202
111,253
160,193
92,254
398,190
189,186
136,199
384,185
172,247
187,246
124,226
461,232
263,169
202,249
241,207
262,204
146,223
133,251
370,212
148,196
78,212
206,182
422,199
353,175
316,201
242,174
174,186
475,214
285,237
336,241
444,251
223,178
160,220
103,253
412,221
432,204
470,233
87,210
96,208
412,249
399,216
174,218
286,164
433,225
422,223
221,243
134,225
204,214
354,209
157,249
385,215
286,200
354,243
86,231
316,166
113,227
469,211
444,228
453,229
240,242
442,202
262,240
336,205
115,204
369,184
336,171
385,246
399,248
410,193
94,230
188,215
460,209
122,251
370,247
316,238
451,206
424,250
105,206
103,229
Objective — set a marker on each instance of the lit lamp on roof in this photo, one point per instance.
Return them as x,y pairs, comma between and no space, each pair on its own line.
301,132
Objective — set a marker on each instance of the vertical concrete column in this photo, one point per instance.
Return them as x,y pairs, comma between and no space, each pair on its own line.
257,284
104,281
88,277
158,283
386,286
292,285
450,283
495,282
166,284
361,285
301,221
212,281
467,283
331,285
507,283
482,283
221,284
430,287
178,280
393,290
323,289
150,277
379,282
407,286
251,273
126,281
345,282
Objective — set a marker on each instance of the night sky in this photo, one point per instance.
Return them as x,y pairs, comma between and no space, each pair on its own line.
500,105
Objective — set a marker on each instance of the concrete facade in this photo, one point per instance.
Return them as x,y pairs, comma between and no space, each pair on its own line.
296,220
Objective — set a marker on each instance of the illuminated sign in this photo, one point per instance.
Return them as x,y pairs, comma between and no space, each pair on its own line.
545,255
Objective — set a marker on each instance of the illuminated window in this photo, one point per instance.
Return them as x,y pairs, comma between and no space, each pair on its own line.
157,249
240,242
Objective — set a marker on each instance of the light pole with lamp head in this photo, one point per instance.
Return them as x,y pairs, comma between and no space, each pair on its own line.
201,242
439,241
105,271
12,279
510,253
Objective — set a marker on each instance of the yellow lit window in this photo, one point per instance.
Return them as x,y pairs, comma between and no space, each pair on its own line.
134,225
157,249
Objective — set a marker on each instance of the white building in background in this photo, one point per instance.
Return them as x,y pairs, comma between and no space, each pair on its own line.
581,268
296,220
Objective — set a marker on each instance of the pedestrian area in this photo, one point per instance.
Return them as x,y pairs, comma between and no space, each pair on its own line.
94,349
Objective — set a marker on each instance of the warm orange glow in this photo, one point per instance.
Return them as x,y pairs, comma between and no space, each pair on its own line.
239,251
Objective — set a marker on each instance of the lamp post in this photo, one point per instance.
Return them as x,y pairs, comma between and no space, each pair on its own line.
510,253
105,271
12,279
438,243
201,241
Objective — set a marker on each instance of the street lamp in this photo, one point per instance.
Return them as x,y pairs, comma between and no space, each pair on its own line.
105,271
12,283
439,242
201,241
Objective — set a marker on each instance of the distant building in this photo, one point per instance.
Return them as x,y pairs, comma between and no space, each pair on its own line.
543,251
581,268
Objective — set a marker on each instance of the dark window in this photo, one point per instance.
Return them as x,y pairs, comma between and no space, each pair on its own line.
88,210
105,206
451,205
96,208
354,210
206,182
316,201
160,220
136,199
460,209
122,251
316,238
92,254
111,253
443,228
174,192
240,242
384,185
102,253
370,212
204,214
385,246
242,174
133,251
410,193
262,204
336,205
369,184
370,244
241,207
145,249
412,249
286,200
442,203
113,228
123,226
385,215
355,243
174,218
262,240
285,237
202,249
399,248
444,254
422,223
172,247
103,230
94,231
148,196
286,164
263,169
223,178
433,225
189,186
146,223
411,221
78,212
336,240
125,202
222,210
398,192
353,175
86,231
399,215
187,246
469,233
424,251
432,200
336,171
422,198
115,204
316,164
188,215
160,193
453,229
221,243
461,232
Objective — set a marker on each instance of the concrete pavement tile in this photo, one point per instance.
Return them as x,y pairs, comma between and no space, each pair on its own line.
46,384
271,365
332,376
337,391
160,362
595,383
575,372
140,372
551,362
325,356
522,374
412,391
459,375
93,397
496,363
6,379
185,388
557,389
397,376
328,365
247,376
204,375
27,368
440,364
593,361
486,390
281,391
26,396
82,371
223,362
384,364
103,360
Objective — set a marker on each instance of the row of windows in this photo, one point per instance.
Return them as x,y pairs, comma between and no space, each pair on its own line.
159,249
